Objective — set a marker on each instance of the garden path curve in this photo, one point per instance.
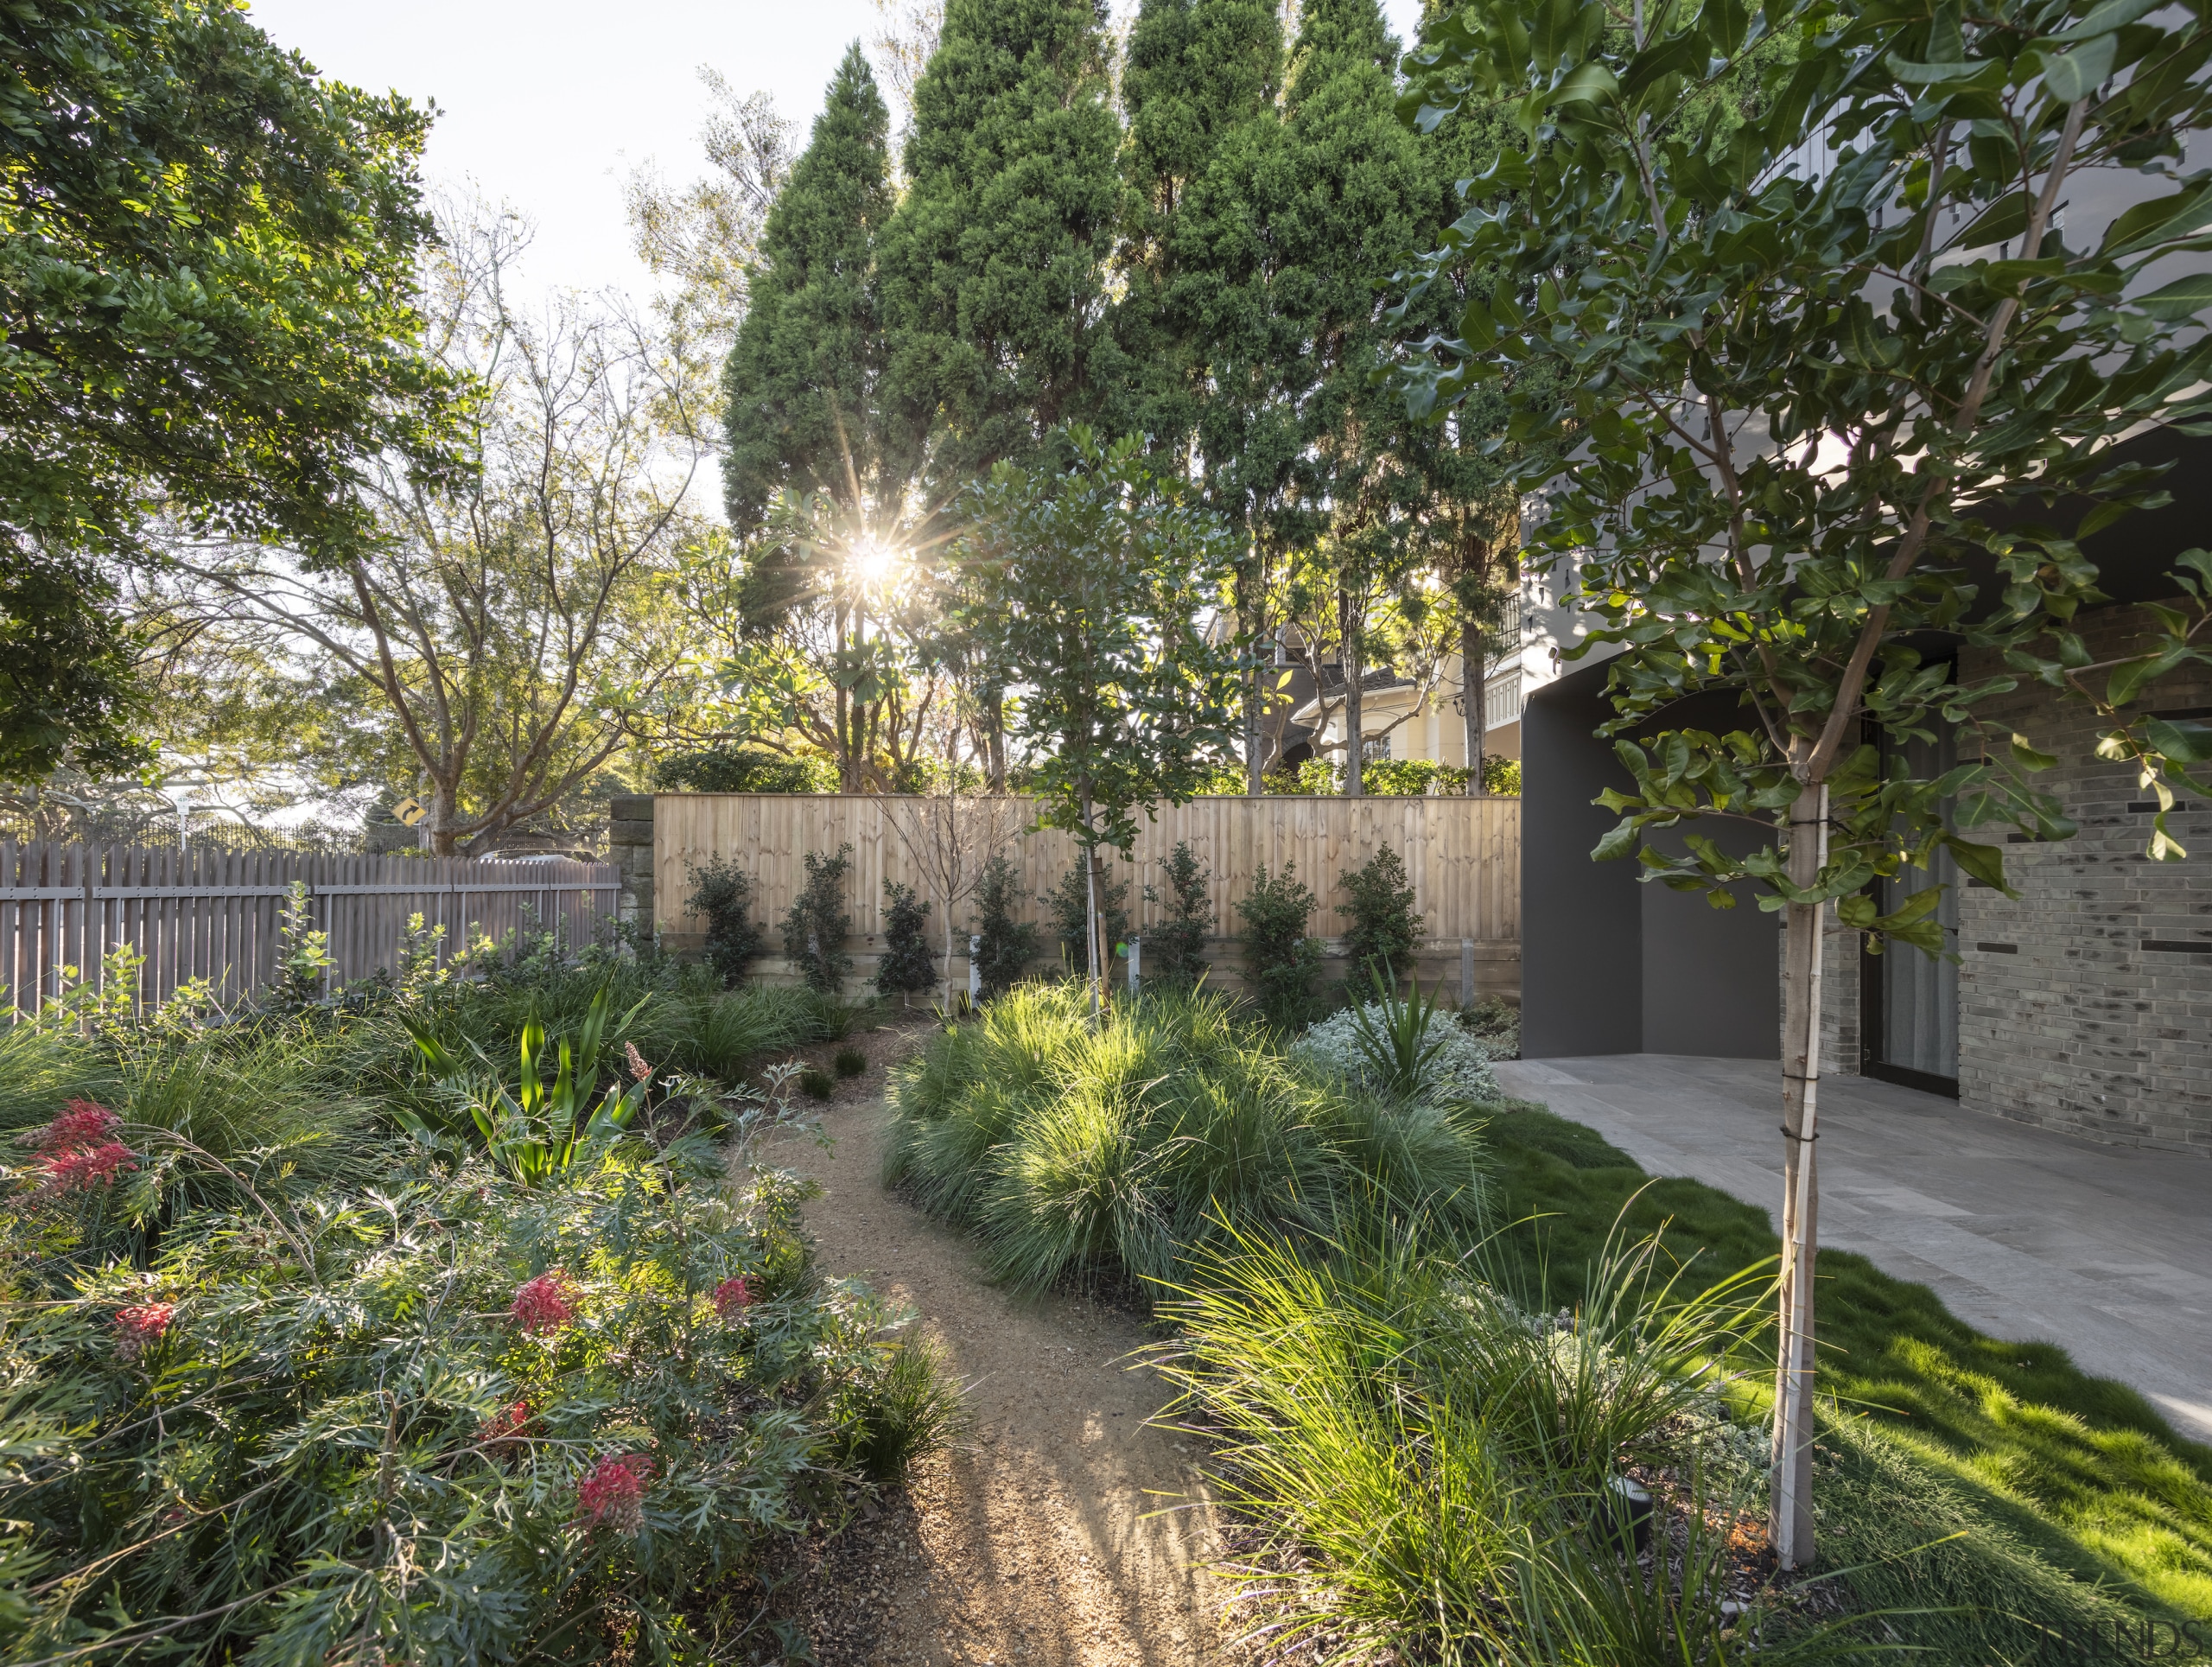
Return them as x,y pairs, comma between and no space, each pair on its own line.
1050,1537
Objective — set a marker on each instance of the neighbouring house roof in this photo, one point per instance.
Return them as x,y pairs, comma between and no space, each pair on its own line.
1382,680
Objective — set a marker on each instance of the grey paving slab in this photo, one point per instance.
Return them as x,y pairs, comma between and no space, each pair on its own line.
2026,1234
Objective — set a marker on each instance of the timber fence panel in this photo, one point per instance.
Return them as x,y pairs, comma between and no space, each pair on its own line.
1462,857
218,915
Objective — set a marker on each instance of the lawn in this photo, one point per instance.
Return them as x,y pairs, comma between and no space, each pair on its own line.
2051,1471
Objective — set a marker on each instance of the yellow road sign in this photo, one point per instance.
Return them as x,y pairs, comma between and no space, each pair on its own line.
410,810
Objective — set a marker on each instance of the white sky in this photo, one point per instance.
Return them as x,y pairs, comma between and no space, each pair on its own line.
550,105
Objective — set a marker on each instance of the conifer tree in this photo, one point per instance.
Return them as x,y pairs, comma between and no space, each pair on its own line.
1199,87
1195,74
817,479
995,264
803,383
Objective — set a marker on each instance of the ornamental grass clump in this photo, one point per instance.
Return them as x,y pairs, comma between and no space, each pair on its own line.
1418,1468
1111,1152
443,1419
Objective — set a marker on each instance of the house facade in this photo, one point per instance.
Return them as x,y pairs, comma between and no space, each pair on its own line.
1403,718
2082,1005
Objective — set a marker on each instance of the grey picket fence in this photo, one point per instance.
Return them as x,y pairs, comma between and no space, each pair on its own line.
216,914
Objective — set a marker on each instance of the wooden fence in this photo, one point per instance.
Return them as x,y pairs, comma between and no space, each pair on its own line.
1463,856
214,914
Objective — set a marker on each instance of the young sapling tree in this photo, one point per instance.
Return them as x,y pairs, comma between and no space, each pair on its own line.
1824,416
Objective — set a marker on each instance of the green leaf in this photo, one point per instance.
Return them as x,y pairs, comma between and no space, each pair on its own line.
2181,741
1620,841
2027,758
2181,299
2002,221
1979,862
2073,75
2174,215
2114,14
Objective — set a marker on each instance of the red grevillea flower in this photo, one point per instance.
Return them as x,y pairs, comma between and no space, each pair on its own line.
545,1304
613,1494
734,1296
139,1328
501,1430
81,1168
81,1125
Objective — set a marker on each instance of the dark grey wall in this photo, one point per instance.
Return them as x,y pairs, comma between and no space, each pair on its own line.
1581,922
1610,966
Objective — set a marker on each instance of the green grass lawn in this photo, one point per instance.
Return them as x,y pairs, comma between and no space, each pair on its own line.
2061,1482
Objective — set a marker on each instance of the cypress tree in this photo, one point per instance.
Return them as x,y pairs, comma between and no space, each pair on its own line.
1195,74
1352,193
803,383
995,264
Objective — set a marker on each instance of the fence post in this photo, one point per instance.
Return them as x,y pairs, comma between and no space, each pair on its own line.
975,971
1136,945
1467,973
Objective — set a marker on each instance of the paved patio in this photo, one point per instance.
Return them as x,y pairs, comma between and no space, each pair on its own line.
2027,1234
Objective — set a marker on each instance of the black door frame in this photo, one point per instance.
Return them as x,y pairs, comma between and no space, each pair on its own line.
1871,971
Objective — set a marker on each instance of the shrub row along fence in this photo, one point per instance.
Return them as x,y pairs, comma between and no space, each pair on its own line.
1462,856
216,914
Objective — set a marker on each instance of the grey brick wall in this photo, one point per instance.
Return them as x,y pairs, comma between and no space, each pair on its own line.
2066,1018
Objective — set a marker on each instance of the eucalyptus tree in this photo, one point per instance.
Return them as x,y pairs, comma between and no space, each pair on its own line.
1812,402
1092,581
510,634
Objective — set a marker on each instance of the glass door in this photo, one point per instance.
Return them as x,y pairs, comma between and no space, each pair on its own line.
1910,1008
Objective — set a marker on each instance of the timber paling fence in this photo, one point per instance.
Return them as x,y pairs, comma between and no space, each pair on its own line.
216,914
1462,857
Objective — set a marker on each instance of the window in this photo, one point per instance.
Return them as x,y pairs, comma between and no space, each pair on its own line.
1374,749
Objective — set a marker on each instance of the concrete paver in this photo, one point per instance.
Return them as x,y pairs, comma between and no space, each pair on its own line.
2028,1234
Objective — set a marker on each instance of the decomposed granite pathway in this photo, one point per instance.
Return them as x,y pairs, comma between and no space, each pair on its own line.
1051,1535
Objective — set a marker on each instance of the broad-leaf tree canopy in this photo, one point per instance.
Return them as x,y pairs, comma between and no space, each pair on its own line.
206,257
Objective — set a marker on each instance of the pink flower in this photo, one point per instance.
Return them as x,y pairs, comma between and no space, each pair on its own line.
81,1168
545,1304
613,1493
734,1296
639,1070
139,1328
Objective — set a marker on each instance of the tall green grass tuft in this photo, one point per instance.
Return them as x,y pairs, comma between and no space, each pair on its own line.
1425,1467
1115,1153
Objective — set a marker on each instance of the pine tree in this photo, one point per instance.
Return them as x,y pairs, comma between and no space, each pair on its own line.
817,478
995,264
1195,74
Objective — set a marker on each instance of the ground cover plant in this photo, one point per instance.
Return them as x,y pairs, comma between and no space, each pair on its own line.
1110,1152
2061,1481
294,1373
442,1418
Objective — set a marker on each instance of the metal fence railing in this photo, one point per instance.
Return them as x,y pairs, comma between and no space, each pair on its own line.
214,914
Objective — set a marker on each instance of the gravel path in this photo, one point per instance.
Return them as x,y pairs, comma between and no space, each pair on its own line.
1040,1541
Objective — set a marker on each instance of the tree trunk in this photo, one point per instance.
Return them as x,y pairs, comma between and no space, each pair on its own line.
1095,970
1347,663
1473,674
445,837
994,738
1790,1515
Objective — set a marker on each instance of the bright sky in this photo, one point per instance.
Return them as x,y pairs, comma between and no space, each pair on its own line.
550,104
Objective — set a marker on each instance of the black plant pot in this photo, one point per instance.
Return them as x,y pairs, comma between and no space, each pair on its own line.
1628,1518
